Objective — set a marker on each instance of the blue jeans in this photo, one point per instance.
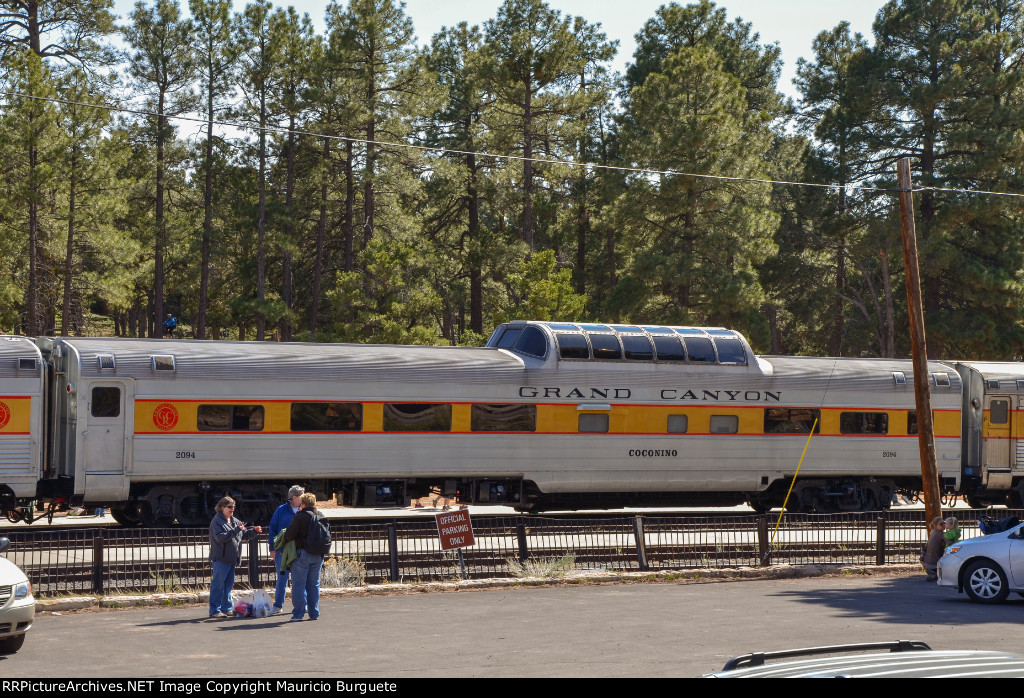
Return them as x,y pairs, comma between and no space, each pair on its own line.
306,585
220,587
282,582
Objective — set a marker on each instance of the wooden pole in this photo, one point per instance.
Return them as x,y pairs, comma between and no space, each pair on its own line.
919,349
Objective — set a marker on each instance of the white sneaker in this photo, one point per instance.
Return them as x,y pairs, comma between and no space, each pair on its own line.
274,611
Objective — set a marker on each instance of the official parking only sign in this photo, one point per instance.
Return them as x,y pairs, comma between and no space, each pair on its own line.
455,529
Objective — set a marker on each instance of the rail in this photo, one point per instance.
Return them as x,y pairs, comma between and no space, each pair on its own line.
122,560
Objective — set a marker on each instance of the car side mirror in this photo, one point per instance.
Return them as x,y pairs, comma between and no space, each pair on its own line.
5,543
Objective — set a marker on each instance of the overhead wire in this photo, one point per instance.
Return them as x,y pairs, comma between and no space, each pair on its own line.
500,156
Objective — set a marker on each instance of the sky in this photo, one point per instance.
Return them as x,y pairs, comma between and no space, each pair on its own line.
791,23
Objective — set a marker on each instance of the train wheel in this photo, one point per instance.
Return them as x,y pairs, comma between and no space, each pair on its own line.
123,517
759,507
14,515
870,501
978,502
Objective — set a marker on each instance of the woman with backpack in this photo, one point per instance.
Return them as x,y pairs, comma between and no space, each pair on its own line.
312,535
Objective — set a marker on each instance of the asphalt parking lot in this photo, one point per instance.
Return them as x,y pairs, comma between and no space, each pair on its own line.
573,630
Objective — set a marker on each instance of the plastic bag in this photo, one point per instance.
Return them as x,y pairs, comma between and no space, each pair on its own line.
243,604
261,604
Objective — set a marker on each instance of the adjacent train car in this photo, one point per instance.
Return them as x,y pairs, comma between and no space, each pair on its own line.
547,415
993,432
21,420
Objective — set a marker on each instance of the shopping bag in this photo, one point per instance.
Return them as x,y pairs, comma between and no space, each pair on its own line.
261,604
243,603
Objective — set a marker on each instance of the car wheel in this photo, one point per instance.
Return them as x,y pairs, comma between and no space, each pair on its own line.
985,582
11,645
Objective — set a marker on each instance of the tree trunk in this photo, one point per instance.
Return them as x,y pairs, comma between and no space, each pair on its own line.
204,272
476,304
350,209
69,258
31,327
261,254
289,229
371,155
321,230
528,164
158,259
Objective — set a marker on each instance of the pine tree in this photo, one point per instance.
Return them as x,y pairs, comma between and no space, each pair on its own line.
215,60
162,66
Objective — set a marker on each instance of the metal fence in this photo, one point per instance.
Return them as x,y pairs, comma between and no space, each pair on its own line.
117,560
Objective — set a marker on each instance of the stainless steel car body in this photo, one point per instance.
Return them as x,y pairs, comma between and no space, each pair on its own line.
986,568
17,605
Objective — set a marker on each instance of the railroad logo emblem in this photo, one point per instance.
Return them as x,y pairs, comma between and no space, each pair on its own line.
5,414
165,417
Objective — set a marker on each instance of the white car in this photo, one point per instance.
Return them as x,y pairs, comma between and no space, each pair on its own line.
986,568
17,607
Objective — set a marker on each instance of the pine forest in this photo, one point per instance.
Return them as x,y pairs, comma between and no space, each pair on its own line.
259,180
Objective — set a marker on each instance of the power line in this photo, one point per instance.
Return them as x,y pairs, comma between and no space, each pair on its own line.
496,156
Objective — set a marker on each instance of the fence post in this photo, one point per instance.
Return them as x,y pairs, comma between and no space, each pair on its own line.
880,541
641,543
524,550
763,541
97,562
393,550
254,562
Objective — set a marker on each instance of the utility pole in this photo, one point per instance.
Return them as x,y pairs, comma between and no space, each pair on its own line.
919,350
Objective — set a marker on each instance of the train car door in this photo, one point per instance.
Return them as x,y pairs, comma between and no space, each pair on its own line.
108,428
996,433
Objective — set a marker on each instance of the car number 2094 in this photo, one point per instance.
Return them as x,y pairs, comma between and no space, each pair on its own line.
185,454
888,454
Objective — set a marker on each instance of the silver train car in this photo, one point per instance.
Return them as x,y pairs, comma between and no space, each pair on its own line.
548,415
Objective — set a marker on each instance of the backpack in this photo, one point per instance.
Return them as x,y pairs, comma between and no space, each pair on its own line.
318,540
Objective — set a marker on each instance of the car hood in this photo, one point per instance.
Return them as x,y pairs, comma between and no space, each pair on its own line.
991,538
10,573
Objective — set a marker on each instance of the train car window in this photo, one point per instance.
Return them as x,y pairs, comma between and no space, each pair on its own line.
407,416
625,328
230,418
106,402
327,416
637,347
657,330
593,424
724,424
606,346
781,420
700,349
678,423
595,328
669,349
509,337
730,351
503,417
863,423
572,346
532,342
999,412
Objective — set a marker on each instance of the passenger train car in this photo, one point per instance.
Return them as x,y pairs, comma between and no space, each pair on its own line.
547,415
